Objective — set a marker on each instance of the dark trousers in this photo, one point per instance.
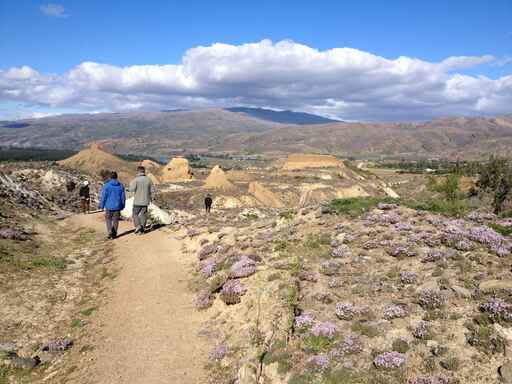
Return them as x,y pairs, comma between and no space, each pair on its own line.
208,204
85,205
112,220
140,216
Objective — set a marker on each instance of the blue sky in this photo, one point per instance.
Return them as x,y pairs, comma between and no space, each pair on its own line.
54,38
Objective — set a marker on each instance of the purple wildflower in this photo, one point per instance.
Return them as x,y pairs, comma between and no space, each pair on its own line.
308,276
341,251
401,250
405,227
305,320
389,360
383,218
490,238
505,222
407,277
330,267
327,329
480,217
204,299
434,220
208,268
320,362
219,352
433,255
347,311
431,299
464,245
497,309
232,291
370,244
395,311
422,331
323,297
242,268
427,237
351,344
335,283
206,251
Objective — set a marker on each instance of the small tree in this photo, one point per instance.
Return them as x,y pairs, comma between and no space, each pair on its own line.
496,178
449,186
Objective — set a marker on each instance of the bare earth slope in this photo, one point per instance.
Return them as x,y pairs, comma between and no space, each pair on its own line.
94,159
149,328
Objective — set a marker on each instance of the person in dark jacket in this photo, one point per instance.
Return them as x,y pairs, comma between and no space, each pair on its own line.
85,197
208,200
112,200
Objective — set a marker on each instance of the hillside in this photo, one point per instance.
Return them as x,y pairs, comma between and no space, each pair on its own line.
448,137
214,130
94,159
133,132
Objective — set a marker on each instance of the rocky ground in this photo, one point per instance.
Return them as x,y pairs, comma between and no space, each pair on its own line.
393,296
314,294
50,275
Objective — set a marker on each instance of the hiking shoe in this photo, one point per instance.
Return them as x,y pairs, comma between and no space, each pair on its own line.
137,230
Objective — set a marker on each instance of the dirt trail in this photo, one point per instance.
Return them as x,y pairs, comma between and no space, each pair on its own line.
149,327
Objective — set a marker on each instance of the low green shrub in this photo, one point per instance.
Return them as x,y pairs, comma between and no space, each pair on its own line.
356,206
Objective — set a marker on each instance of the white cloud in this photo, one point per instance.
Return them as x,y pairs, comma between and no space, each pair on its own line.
53,10
342,82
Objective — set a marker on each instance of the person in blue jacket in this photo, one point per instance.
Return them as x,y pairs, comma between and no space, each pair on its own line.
112,200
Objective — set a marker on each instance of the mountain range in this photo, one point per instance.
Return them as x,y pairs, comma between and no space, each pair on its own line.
254,130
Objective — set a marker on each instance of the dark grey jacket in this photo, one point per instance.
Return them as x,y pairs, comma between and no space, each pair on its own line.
143,188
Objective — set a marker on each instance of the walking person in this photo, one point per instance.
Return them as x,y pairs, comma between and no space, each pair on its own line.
85,197
143,188
208,200
112,200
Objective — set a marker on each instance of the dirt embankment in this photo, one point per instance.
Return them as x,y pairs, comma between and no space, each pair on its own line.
178,169
305,161
94,159
217,179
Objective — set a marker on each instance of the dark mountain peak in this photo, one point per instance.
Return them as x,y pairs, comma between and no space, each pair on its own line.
283,117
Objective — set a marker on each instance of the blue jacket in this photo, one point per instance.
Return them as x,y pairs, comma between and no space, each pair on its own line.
112,196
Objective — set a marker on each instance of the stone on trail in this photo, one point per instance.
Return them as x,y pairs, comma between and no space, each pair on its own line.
505,372
24,362
58,345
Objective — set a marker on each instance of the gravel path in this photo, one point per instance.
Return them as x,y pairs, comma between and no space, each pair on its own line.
149,327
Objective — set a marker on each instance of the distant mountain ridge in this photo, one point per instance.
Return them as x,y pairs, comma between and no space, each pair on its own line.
161,134
283,117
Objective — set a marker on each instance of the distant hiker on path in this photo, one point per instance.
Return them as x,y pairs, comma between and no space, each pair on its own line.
112,199
85,198
208,200
143,188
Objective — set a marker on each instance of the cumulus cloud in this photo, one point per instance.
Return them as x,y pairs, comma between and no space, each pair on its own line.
345,83
53,10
